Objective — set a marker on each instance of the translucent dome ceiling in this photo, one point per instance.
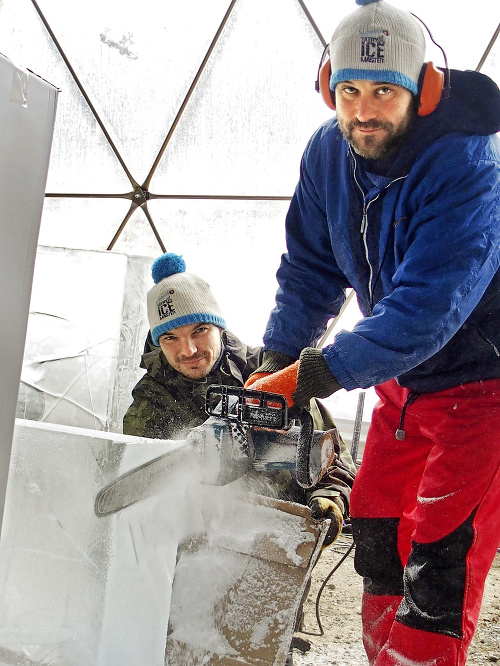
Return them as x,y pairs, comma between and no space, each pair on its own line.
179,121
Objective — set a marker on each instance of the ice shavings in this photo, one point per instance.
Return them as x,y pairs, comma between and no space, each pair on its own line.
254,527
237,586
200,583
261,606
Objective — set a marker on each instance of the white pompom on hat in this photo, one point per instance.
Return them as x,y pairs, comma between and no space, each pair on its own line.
179,298
378,42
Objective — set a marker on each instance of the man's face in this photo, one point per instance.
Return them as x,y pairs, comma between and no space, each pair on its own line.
192,349
374,117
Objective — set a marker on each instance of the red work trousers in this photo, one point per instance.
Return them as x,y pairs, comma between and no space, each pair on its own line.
426,521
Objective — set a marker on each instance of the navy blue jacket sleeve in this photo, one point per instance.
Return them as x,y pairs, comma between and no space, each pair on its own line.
311,286
445,253
449,251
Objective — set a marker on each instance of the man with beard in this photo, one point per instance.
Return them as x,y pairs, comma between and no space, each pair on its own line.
398,199
189,349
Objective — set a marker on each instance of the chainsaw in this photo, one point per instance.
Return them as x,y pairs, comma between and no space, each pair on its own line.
246,429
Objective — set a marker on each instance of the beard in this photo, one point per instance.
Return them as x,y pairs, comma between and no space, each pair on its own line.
374,147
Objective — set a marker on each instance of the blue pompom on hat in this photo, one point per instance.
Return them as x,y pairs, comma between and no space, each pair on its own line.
378,42
179,298
167,265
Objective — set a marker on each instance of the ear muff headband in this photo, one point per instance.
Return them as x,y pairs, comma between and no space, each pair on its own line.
433,81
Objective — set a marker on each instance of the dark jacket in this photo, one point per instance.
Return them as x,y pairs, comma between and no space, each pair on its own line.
417,238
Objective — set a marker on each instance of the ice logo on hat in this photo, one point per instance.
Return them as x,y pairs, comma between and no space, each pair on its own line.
373,46
166,306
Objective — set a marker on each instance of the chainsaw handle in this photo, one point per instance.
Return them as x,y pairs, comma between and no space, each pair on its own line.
303,454
248,406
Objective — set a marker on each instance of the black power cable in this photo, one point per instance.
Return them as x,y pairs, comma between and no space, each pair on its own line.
320,592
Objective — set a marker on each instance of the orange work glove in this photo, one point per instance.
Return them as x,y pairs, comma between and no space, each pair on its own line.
255,377
283,382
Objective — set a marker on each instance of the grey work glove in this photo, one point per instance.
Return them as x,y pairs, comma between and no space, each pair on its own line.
273,361
314,378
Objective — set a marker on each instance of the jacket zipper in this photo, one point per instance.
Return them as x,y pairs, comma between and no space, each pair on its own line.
364,223
363,230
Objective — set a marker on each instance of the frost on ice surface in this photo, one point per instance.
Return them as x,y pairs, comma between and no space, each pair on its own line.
256,528
211,570
217,570
76,589
238,586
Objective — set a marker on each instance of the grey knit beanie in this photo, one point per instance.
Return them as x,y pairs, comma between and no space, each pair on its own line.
179,298
378,42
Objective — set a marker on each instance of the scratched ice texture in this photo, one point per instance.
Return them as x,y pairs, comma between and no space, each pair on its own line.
76,589
86,330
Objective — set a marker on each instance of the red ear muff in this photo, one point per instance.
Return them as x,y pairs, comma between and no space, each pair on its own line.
431,90
323,84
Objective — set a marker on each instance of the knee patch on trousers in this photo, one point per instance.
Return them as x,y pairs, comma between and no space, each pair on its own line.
434,581
376,557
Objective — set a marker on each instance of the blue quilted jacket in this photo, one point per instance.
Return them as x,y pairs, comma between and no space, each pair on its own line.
418,239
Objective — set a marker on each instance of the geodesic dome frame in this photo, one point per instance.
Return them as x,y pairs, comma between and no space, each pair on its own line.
223,87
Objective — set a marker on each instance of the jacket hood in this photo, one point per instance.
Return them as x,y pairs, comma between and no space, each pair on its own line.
472,106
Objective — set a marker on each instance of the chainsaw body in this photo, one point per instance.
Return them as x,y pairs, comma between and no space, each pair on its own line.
246,430
250,429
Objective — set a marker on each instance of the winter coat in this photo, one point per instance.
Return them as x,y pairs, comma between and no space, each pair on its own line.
418,239
166,404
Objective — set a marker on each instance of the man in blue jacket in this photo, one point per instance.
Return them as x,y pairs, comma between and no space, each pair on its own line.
399,199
